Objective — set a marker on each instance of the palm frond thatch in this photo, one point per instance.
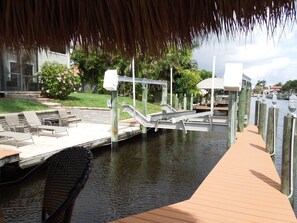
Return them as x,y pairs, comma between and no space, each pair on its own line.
127,25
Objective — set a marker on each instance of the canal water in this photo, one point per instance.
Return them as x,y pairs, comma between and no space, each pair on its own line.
141,175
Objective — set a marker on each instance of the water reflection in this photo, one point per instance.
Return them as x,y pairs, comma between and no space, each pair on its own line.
140,175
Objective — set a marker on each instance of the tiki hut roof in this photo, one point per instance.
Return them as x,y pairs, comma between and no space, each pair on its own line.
127,25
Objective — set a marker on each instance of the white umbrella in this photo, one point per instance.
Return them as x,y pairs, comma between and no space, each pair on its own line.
207,83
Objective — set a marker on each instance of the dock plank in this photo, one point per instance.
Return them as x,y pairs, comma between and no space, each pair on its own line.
242,187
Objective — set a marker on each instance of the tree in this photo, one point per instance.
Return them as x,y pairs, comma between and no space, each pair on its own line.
278,84
204,74
261,83
290,85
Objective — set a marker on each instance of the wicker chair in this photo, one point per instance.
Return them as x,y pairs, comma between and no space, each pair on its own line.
68,172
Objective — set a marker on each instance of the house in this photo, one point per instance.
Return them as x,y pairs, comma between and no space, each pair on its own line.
18,72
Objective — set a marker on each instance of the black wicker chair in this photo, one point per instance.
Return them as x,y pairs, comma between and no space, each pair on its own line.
68,172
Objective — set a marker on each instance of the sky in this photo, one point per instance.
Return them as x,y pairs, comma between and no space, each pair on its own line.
273,59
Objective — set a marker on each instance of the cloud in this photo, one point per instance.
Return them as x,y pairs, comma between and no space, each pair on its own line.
271,59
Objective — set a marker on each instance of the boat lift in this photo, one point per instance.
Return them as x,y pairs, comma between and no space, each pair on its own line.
185,120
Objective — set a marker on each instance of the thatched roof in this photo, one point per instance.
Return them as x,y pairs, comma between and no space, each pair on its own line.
127,25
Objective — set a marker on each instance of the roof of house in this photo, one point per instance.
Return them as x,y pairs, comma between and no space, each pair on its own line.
127,25
276,87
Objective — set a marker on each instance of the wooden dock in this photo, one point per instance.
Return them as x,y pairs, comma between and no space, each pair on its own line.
243,187
85,134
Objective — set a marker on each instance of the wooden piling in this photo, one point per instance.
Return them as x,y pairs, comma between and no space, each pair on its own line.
176,102
257,112
271,131
231,118
144,105
164,94
114,120
248,104
185,102
286,157
262,120
191,102
241,110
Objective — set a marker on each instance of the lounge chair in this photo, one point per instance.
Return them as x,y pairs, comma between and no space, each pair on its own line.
65,119
35,124
17,136
13,122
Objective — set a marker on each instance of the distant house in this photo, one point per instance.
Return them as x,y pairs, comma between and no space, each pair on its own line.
18,72
276,89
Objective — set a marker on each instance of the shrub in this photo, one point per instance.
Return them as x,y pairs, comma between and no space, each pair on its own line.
58,81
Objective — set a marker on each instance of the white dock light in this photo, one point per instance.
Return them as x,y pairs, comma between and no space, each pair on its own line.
292,103
111,80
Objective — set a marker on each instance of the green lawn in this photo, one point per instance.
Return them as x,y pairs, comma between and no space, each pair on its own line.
9,105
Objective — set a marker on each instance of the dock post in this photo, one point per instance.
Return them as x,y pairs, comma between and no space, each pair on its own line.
185,102
289,156
164,95
248,104
176,102
144,105
191,102
262,119
114,120
257,111
231,118
241,109
272,128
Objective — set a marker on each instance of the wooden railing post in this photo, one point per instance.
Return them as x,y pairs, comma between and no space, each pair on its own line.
248,104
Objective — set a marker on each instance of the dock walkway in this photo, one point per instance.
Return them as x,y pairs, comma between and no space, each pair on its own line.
243,187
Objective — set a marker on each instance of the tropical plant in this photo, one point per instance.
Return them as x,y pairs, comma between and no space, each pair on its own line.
58,81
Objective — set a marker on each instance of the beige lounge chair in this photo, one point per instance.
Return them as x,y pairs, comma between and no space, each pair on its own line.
35,124
17,136
13,122
65,119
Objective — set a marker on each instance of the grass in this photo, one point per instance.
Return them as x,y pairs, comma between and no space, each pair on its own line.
9,105
100,101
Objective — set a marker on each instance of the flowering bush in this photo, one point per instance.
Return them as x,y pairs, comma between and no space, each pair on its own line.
58,81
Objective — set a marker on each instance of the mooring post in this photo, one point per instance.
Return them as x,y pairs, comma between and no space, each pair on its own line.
144,105
248,104
231,118
114,120
191,102
164,94
185,102
289,155
176,102
271,134
262,118
257,110
241,109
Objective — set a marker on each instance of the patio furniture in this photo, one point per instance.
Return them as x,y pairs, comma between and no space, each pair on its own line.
16,136
35,124
13,122
67,173
66,119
